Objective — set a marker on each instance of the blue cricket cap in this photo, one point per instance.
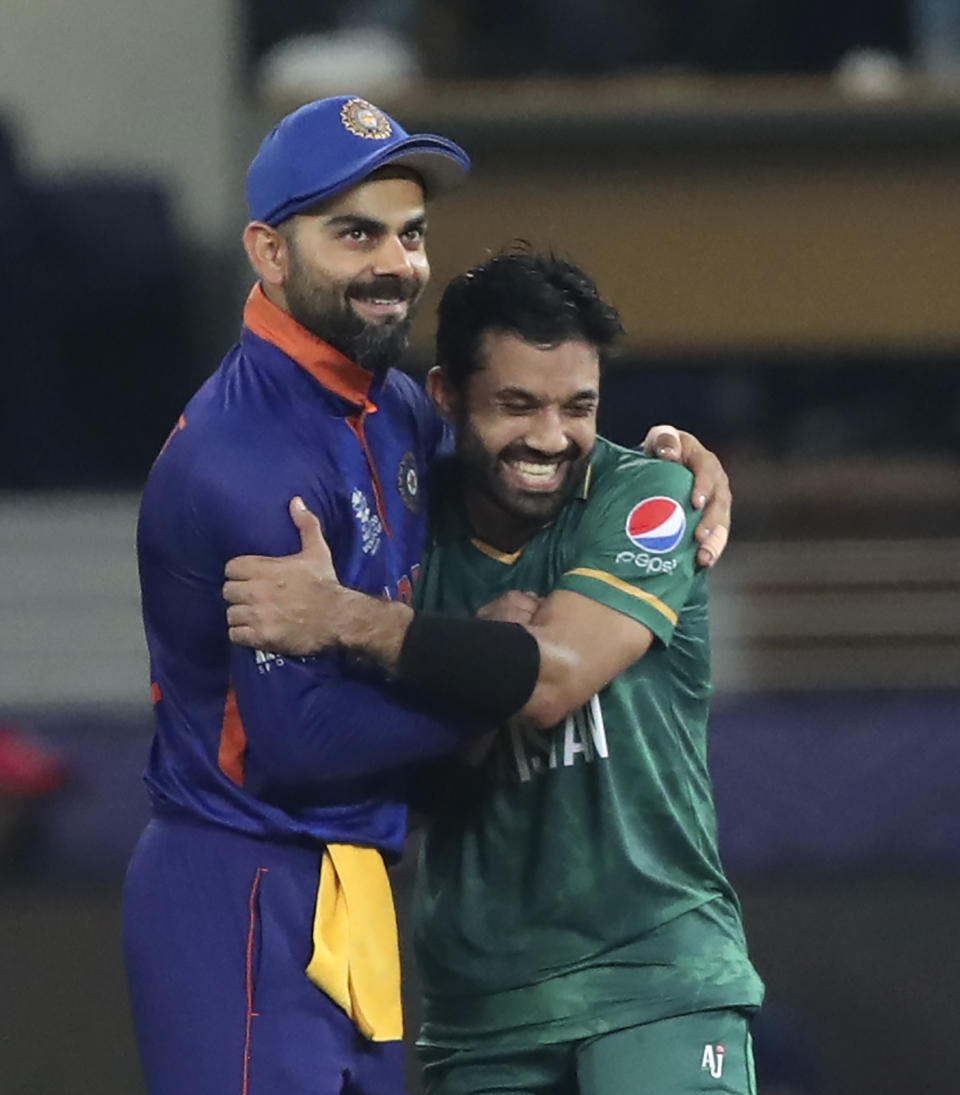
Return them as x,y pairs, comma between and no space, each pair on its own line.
332,144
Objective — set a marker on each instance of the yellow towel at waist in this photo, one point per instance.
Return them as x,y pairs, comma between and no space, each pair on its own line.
356,954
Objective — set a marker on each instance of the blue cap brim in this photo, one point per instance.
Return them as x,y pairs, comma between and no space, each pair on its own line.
441,164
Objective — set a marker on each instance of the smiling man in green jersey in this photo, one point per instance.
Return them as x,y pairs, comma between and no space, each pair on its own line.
573,925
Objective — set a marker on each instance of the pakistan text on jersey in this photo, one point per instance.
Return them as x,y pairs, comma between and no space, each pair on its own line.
581,737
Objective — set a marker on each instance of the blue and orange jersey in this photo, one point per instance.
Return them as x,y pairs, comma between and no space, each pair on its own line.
288,748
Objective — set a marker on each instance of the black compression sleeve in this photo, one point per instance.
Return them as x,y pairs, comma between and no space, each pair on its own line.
484,668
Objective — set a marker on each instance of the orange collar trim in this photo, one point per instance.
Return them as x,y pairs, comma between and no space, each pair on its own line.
326,365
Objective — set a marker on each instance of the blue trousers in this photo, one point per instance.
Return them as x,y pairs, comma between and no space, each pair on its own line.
217,934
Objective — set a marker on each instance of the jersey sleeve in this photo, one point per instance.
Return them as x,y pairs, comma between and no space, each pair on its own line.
316,719
636,551
302,720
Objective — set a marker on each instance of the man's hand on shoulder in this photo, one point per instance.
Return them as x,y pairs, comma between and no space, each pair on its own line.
711,486
296,605
274,602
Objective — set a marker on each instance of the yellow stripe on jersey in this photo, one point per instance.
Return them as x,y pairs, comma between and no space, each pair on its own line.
625,587
356,957
500,556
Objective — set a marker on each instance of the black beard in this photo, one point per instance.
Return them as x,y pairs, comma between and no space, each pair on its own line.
529,510
373,346
326,313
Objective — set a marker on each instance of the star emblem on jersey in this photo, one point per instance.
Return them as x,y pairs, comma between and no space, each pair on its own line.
656,524
370,526
363,119
408,482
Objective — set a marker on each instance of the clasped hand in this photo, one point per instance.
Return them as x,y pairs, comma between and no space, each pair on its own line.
290,604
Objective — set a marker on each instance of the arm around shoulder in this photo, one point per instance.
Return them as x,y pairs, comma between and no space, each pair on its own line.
583,646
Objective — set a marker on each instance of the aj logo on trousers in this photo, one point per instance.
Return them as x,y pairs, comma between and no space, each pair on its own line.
712,1060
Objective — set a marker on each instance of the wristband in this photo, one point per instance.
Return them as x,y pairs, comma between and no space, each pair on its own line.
482,668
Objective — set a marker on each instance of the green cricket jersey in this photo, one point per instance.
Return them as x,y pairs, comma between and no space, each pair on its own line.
571,885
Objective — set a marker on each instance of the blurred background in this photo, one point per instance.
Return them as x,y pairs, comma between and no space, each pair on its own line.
769,193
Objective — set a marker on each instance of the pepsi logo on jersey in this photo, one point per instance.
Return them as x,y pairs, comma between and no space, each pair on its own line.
656,524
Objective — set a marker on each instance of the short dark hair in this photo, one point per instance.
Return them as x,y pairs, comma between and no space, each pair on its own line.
542,298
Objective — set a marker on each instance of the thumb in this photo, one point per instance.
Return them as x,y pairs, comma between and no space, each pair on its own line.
311,534
662,441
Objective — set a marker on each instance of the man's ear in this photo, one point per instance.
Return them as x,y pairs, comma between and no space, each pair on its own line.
440,392
267,251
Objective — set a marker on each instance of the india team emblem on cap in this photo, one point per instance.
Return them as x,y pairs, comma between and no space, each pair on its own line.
363,119
408,482
656,524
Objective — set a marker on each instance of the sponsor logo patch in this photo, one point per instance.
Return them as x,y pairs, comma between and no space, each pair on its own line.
712,1060
649,564
656,524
